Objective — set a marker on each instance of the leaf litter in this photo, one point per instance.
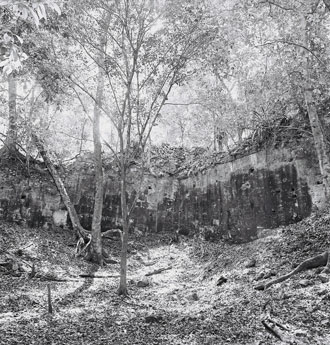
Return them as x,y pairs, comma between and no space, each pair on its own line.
205,295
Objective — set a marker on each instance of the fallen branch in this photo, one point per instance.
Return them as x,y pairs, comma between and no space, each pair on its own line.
50,307
271,329
51,278
316,261
160,270
275,328
87,275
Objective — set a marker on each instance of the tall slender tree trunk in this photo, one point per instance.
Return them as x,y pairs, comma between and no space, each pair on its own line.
96,239
315,122
319,140
123,261
11,138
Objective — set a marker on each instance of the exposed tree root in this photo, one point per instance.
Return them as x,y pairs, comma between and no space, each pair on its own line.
123,291
84,244
82,247
316,261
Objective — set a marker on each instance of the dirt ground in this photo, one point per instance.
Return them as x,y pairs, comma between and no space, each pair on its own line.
206,294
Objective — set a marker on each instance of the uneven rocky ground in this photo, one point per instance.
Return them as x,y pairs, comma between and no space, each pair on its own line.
206,294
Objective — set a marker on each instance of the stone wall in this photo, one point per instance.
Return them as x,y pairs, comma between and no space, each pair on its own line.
261,190
233,199
31,199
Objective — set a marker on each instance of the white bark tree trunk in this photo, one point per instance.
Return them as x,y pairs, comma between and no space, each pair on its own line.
96,239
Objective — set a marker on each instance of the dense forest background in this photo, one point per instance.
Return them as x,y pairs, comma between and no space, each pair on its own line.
222,69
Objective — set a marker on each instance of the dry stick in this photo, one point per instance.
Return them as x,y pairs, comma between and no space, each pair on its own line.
33,271
160,270
316,261
272,330
86,275
50,308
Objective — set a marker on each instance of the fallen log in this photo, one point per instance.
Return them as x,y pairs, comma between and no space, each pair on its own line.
160,270
314,262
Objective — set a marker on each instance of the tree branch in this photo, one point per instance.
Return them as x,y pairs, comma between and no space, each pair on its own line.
294,44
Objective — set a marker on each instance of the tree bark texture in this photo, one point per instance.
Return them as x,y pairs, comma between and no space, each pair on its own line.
82,233
96,240
315,122
123,260
319,140
11,138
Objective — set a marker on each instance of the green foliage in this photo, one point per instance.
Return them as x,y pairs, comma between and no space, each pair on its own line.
18,14
234,65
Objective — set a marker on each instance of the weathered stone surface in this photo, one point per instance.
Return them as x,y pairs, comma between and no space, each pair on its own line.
232,200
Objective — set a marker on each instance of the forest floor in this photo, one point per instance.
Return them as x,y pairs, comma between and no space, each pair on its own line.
206,294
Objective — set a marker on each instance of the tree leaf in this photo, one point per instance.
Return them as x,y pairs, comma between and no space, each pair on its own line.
35,16
39,12
20,39
55,7
43,10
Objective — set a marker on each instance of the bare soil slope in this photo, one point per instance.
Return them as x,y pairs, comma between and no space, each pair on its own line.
204,293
